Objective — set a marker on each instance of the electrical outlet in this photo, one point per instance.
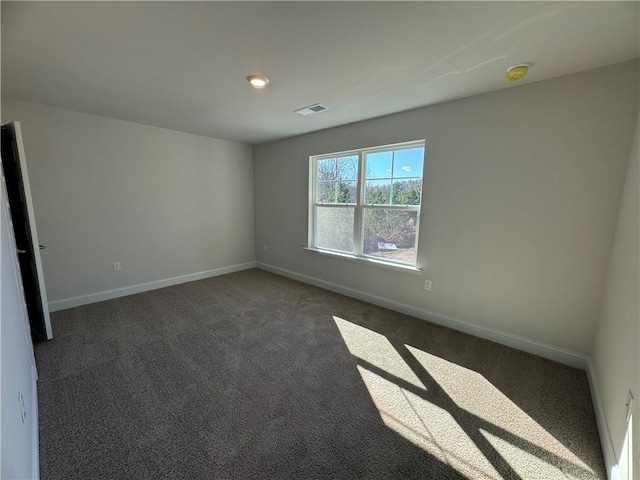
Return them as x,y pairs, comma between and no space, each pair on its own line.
427,285
23,408
117,267
265,247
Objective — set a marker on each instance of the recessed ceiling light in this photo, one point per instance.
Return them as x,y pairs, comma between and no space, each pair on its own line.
258,81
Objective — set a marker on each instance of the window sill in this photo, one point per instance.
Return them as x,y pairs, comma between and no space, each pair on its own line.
374,262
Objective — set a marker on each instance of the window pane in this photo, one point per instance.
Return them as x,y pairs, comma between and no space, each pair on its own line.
377,192
334,228
408,162
379,165
407,191
326,169
341,191
339,168
347,168
346,191
326,192
390,234
337,180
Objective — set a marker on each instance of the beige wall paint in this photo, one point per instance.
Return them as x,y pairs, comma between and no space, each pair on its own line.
522,188
161,202
616,349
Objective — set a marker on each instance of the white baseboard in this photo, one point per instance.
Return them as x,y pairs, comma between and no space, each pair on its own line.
551,352
65,303
610,459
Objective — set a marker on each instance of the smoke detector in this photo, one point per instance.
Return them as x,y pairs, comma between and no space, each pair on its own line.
311,109
516,72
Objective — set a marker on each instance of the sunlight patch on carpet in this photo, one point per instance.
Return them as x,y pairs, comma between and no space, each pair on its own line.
475,394
457,408
524,463
375,349
428,426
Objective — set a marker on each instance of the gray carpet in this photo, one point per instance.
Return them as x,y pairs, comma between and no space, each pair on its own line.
255,376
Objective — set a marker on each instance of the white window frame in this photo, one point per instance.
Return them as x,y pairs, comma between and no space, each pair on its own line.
360,207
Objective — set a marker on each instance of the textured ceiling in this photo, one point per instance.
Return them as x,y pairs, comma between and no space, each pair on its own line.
182,65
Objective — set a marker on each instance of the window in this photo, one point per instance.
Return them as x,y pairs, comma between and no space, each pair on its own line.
367,202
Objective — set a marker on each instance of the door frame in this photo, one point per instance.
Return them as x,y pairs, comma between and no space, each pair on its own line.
35,244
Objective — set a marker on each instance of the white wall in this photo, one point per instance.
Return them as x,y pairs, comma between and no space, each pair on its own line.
521,193
18,440
616,349
161,202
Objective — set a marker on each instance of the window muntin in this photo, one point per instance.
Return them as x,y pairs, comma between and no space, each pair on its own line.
367,202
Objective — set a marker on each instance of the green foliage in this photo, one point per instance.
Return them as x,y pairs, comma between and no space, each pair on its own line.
343,193
407,192
404,192
377,195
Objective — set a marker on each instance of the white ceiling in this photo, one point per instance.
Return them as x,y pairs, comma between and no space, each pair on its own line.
182,65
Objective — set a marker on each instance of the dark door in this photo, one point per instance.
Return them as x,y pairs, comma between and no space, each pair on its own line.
22,230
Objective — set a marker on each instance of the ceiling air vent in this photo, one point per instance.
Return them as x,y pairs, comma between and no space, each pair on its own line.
311,109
